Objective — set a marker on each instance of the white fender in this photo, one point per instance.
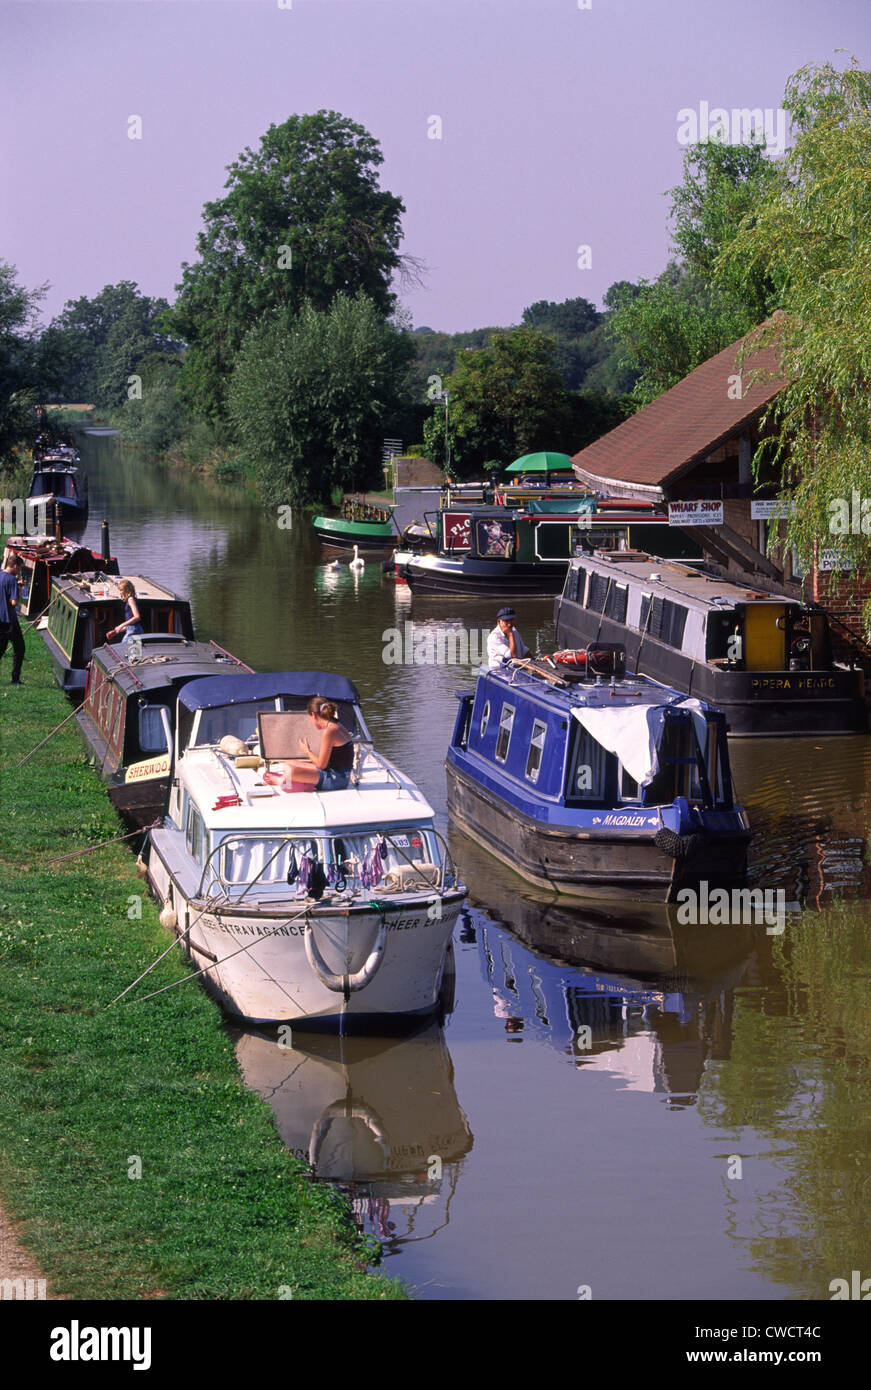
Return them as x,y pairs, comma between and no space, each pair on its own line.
345,984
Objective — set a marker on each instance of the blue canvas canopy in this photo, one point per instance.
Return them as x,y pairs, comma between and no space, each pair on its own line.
212,691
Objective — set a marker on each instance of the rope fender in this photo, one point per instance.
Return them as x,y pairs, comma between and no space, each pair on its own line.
678,846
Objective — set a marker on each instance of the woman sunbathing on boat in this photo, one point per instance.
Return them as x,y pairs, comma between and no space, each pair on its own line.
330,769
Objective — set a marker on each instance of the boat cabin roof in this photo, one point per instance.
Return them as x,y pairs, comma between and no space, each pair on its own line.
95,586
165,660
381,797
536,680
215,691
686,582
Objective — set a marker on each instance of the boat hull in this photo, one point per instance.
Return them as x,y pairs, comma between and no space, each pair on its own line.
480,578
757,704
591,863
271,980
339,535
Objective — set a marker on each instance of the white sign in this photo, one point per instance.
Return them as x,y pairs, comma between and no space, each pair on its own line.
771,510
832,560
695,513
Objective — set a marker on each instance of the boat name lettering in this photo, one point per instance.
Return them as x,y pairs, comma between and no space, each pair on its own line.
624,819
152,767
794,683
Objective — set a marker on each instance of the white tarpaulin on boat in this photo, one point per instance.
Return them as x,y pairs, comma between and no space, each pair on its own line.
633,732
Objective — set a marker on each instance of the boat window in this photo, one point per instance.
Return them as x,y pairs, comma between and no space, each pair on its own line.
536,750
615,603
485,717
587,768
503,738
246,858
151,736
194,833
663,619
628,785
597,591
240,719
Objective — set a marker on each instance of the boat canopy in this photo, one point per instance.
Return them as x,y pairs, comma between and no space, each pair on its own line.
634,732
213,691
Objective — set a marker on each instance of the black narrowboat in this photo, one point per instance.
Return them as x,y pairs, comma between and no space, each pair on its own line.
43,558
128,716
763,658
84,607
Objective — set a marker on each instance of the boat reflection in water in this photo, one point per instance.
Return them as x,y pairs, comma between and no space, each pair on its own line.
377,1115
632,992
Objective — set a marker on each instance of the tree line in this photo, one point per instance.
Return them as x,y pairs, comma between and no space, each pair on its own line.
287,340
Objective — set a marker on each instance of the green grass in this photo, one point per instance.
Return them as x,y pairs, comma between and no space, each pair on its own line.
221,1210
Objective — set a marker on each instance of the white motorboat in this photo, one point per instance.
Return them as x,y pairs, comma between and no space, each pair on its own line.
304,907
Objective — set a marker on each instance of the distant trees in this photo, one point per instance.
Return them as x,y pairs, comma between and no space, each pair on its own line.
93,346
506,399
303,220
310,393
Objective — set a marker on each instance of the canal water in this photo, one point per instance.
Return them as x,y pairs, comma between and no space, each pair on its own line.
617,1105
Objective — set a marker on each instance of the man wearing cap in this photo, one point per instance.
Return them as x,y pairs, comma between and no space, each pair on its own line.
505,642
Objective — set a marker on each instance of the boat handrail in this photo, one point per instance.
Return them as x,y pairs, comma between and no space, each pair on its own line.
129,669
224,652
288,837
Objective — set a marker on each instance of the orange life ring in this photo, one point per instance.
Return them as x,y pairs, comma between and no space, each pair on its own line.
579,658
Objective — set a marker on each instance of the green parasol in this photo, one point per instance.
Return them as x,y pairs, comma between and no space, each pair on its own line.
545,462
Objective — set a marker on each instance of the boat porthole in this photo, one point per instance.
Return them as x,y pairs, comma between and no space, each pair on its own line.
485,716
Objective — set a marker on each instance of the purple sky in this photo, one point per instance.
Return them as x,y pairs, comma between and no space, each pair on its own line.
559,126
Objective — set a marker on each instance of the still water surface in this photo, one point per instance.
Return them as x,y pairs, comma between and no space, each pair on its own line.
616,1100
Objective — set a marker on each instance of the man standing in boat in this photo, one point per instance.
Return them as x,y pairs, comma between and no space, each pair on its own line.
505,642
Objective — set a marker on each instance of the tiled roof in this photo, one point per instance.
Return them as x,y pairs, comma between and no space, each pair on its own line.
678,429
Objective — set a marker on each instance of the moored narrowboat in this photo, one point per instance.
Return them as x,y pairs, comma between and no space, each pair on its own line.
510,551
361,524
43,558
592,784
127,719
58,481
85,607
765,659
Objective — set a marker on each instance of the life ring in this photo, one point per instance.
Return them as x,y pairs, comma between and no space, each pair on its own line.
603,660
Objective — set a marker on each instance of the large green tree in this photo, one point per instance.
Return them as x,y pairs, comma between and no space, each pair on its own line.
310,396
815,228
303,220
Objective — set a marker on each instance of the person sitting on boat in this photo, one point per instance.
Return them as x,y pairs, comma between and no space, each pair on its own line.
328,770
132,624
505,642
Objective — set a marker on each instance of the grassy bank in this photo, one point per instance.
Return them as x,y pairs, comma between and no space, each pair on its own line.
221,1210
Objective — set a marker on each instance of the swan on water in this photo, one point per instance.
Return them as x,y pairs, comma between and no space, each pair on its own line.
357,563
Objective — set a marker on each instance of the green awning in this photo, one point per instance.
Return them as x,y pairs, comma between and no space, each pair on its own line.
540,463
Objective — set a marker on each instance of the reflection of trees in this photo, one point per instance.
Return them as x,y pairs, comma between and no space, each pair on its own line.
800,1074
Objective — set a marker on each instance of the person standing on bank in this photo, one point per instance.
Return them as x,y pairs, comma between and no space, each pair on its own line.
132,624
10,629
505,642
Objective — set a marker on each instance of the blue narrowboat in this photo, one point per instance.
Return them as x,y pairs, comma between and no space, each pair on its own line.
590,784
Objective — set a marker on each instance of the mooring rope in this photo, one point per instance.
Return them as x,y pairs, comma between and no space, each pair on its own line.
215,964
89,849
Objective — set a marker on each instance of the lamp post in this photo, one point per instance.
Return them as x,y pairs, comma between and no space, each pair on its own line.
446,395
